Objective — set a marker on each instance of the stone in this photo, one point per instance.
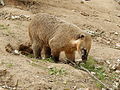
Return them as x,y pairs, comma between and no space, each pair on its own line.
117,45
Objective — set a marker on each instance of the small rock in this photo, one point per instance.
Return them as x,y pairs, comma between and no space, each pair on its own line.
115,84
108,42
93,73
92,33
103,89
113,67
118,45
108,62
27,16
16,52
15,17
64,82
117,71
83,89
116,33
73,10
82,1
50,67
118,60
37,76
74,87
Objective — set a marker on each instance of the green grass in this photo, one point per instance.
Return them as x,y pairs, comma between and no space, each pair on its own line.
3,27
48,59
30,55
99,71
99,85
90,64
55,71
9,65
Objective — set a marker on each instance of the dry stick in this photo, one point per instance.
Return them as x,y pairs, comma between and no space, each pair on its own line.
82,68
106,86
16,85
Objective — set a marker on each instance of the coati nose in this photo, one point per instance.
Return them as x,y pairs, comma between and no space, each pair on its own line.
84,55
84,58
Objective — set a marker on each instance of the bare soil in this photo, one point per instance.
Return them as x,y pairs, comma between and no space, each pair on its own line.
99,16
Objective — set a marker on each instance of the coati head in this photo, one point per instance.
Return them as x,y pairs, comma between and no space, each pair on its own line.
82,43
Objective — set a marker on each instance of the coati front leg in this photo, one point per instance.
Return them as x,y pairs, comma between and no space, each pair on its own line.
55,56
70,56
47,52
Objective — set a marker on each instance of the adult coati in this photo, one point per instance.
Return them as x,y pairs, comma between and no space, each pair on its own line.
55,35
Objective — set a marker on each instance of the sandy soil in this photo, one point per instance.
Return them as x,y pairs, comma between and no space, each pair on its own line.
100,16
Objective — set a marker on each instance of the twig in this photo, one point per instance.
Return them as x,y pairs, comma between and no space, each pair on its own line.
16,85
82,68
106,86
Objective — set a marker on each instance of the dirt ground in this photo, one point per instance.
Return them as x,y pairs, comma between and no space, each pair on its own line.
99,17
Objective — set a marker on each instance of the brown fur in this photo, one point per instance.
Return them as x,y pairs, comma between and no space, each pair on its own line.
55,35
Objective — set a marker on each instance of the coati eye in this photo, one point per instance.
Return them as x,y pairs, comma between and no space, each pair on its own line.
80,36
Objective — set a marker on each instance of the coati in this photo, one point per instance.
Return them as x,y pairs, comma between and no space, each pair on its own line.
54,35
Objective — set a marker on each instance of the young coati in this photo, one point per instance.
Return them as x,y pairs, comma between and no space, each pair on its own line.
55,35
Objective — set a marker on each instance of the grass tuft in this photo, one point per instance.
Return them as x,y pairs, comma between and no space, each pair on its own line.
3,27
55,71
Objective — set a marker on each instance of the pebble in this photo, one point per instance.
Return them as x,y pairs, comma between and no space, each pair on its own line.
92,33
108,42
117,71
115,84
83,89
16,52
116,33
108,62
118,60
113,67
82,1
73,10
103,89
93,73
15,17
50,67
64,82
118,45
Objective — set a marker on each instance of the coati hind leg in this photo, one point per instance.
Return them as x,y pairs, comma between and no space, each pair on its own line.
47,52
37,48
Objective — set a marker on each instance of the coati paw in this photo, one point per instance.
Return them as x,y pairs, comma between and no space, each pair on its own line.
56,60
38,57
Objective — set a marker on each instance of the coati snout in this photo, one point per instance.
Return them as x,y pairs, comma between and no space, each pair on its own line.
83,45
84,55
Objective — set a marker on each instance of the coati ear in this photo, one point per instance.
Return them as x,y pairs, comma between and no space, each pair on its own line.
80,36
